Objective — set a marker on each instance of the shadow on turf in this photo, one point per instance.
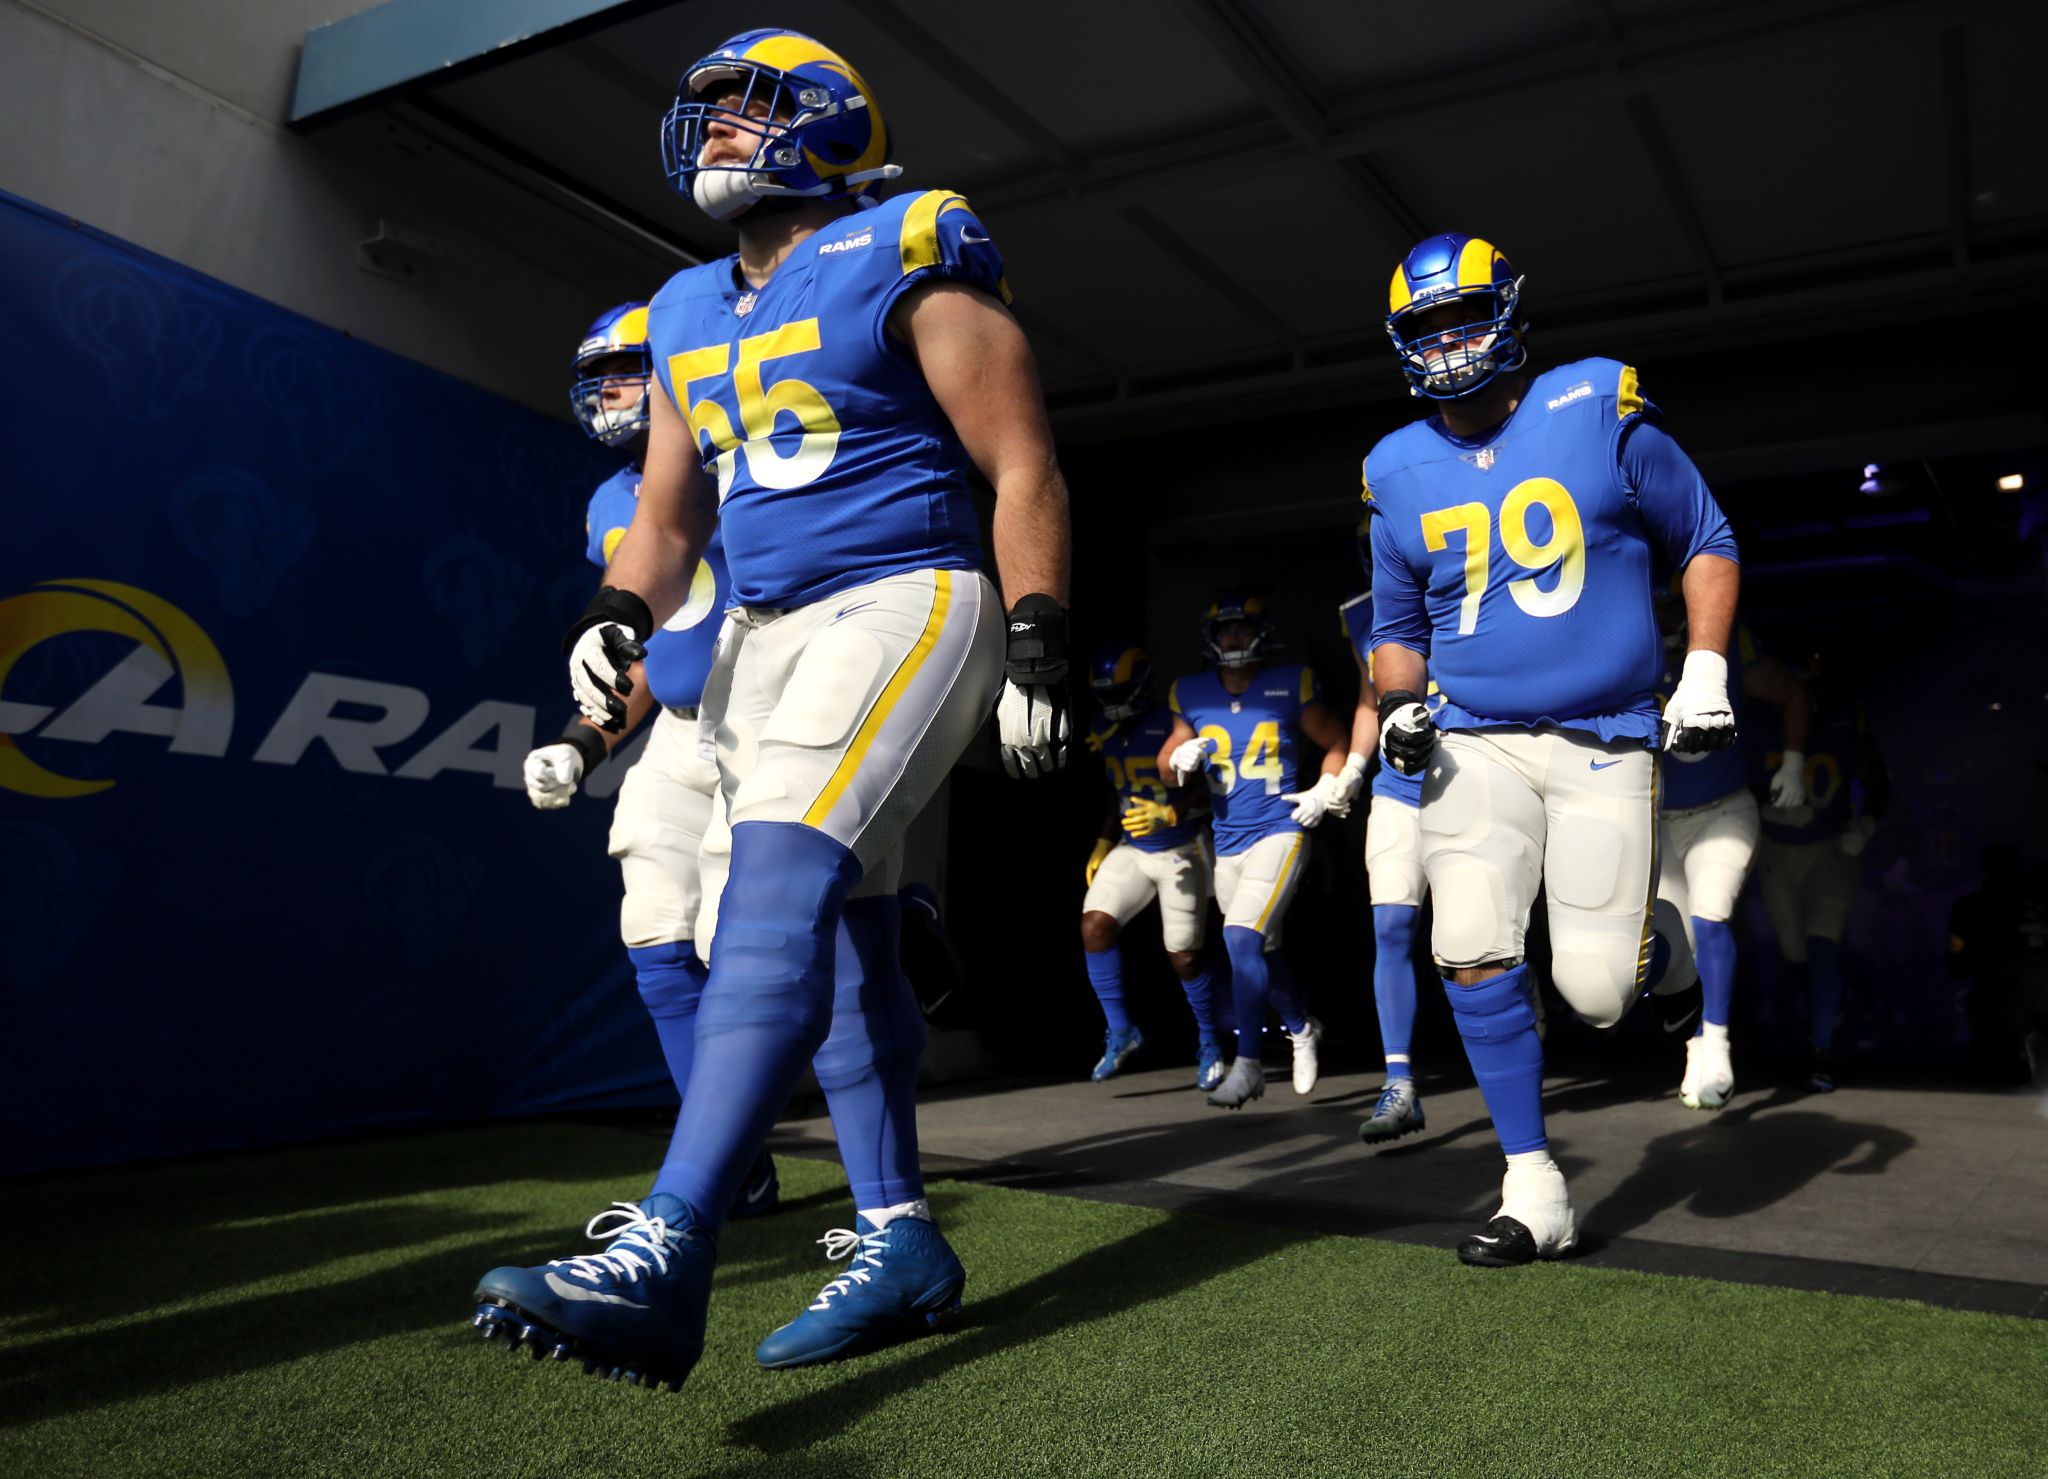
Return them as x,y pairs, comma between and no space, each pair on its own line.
195,1229
1737,1167
1156,1263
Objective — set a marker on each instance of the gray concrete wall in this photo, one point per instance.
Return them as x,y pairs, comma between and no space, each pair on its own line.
162,122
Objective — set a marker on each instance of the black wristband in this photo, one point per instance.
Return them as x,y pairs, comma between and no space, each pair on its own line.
612,605
1037,649
1392,701
588,743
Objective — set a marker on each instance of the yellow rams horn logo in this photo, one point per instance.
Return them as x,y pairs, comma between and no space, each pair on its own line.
168,643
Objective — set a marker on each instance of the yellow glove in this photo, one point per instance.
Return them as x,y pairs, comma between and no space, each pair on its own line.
1103,848
1143,818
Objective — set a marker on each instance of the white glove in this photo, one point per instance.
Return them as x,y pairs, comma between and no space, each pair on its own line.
1857,837
598,664
552,772
1189,758
1323,797
1033,729
1699,716
1349,779
1788,786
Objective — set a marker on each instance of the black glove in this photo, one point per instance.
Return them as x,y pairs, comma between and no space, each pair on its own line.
1407,734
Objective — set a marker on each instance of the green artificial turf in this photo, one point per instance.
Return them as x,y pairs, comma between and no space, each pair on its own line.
306,1312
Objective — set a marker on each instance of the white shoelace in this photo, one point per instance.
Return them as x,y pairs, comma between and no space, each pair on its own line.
638,1243
840,1242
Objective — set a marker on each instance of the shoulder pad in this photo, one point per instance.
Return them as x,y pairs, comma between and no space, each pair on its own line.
938,233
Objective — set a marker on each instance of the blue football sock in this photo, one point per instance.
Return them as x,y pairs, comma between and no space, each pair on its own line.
1201,994
765,1010
868,1065
1248,984
1499,1028
1106,975
1824,989
671,982
1714,951
1393,981
1284,991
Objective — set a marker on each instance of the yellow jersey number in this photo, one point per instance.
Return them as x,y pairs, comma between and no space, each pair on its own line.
1260,762
1565,548
1139,775
760,408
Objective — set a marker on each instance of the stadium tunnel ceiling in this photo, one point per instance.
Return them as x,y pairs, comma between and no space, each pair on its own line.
1202,200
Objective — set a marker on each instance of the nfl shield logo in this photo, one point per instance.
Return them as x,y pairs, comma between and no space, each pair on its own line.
745,305
1483,459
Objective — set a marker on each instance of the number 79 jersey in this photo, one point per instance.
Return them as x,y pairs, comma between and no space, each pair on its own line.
1519,563
835,465
1252,767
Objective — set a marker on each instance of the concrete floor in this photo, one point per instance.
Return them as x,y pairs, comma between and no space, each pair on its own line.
1932,1194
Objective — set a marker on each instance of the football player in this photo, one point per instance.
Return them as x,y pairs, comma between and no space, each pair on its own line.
1154,844
1512,538
667,800
1710,832
825,395
1395,882
1811,857
1235,726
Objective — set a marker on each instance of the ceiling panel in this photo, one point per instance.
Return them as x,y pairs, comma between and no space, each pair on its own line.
1786,160
2002,82
1345,50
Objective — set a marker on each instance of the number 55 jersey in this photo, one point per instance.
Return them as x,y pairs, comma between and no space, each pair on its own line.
835,465
1519,562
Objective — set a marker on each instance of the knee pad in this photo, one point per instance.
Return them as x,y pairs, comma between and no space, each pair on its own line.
876,1022
1469,904
1493,1010
670,977
777,929
1597,978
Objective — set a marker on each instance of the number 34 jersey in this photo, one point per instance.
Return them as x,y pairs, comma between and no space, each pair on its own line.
835,465
1252,768
1519,562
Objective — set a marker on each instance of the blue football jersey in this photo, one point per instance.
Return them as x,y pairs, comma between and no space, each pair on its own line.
679,655
1520,562
835,465
1386,781
1834,758
1130,753
1252,767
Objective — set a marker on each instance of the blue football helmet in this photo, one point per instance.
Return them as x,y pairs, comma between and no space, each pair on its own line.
617,332
1447,363
1233,608
806,116
1121,680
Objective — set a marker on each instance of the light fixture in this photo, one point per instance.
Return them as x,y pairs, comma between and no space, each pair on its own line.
1876,485
2011,482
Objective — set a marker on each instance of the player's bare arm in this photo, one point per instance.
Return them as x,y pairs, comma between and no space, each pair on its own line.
1321,726
979,366
678,506
1710,587
1365,719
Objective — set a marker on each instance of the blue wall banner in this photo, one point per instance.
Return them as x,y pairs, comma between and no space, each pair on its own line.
278,622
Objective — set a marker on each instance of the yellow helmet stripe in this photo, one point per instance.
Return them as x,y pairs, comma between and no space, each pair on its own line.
1398,296
1475,264
631,329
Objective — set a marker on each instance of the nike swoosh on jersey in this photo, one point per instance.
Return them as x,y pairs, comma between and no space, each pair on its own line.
1602,764
972,240
589,1296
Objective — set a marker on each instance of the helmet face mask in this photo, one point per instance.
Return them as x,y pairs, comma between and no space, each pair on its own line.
1235,632
613,358
1121,680
783,115
1459,353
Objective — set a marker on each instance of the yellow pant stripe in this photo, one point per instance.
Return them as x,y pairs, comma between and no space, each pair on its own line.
1280,884
864,737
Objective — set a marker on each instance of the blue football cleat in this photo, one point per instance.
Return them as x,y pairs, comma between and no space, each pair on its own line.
1210,1067
1398,1113
633,1313
1117,1047
901,1280
760,1193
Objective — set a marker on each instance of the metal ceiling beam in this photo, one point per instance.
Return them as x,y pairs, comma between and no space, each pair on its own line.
401,47
1664,165
1175,246
1501,97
